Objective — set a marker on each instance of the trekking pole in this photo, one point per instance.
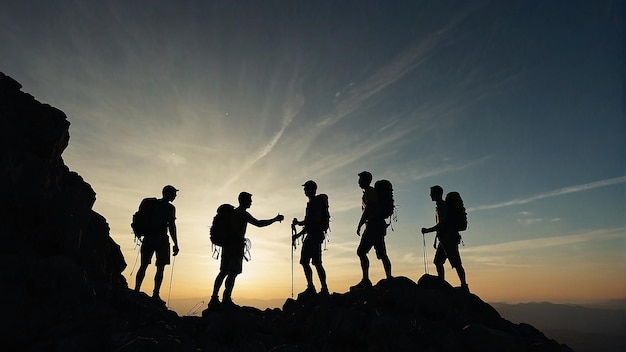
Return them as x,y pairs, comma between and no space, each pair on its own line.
171,277
293,248
194,310
425,254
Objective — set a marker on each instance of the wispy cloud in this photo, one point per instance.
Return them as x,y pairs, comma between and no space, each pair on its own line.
354,95
555,193
173,158
537,243
291,108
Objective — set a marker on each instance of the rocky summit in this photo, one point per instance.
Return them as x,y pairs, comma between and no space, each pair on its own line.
62,287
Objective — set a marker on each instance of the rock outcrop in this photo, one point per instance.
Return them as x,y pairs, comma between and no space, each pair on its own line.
57,258
62,288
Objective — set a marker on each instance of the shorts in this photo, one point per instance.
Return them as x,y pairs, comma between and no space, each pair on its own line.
448,249
312,249
159,245
232,260
373,236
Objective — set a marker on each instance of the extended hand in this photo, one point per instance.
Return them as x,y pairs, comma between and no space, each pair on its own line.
280,218
424,230
175,249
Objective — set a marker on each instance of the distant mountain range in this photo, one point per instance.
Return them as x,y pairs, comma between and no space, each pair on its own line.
600,327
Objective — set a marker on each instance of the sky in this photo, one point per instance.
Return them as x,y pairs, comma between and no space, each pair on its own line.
517,105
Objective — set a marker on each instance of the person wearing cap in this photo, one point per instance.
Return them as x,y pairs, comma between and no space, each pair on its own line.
233,255
314,228
157,241
374,234
448,236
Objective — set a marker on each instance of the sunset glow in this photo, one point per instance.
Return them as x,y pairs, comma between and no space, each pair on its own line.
517,107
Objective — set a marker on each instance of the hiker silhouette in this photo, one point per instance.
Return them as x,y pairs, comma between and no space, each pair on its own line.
375,231
156,240
233,252
448,236
315,224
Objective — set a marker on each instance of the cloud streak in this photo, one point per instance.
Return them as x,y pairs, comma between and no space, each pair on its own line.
555,193
291,108
555,241
355,95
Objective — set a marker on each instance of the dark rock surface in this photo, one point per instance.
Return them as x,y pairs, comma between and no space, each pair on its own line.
62,288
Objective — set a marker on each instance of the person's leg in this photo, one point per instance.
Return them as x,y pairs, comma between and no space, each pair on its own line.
305,259
146,257
218,283
452,250
158,280
141,274
235,266
228,288
365,266
162,259
308,274
215,301
440,259
381,253
316,259
461,272
321,273
387,265
441,272
362,250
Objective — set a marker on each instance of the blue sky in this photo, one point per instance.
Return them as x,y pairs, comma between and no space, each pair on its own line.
516,105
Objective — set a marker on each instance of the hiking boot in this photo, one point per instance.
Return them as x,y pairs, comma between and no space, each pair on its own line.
228,303
365,283
324,291
310,290
214,303
157,299
387,279
465,288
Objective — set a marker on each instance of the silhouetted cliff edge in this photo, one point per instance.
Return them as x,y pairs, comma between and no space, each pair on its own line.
62,288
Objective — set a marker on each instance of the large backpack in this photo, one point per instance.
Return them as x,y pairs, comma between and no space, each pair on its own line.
221,228
456,211
143,220
323,198
384,190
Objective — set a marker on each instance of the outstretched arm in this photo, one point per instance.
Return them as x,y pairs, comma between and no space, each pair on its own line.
262,223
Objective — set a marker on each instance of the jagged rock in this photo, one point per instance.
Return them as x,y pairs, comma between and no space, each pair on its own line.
61,276
57,256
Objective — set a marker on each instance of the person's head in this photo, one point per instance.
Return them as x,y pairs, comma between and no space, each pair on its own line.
310,187
436,193
365,178
169,193
245,199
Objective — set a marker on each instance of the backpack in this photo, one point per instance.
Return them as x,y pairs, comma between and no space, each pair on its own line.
325,225
221,228
456,210
143,219
384,190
